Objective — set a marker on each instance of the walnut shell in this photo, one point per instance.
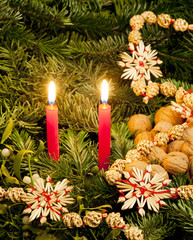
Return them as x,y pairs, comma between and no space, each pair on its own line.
176,162
156,156
174,146
187,147
190,167
158,169
143,136
163,126
137,164
167,114
139,122
188,132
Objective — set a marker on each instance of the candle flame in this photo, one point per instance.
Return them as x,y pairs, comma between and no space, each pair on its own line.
104,92
51,93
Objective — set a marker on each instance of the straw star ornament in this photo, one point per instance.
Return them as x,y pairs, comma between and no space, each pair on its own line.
43,199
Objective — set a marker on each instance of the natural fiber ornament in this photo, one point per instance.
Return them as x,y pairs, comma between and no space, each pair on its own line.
188,100
139,87
180,93
118,165
145,147
15,194
186,192
2,194
180,25
152,91
136,22
168,89
164,20
176,132
92,219
112,176
134,37
114,220
184,111
133,155
161,138
72,220
133,233
149,17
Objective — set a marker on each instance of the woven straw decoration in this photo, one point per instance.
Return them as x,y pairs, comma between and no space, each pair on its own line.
168,89
164,20
180,93
176,132
15,194
188,100
139,87
115,220
133,233
186,192
145,147
152,91
134,36
149,17
118,165
132,155
112,175
180,25
2,194
161,138
72,220
136,22
92,219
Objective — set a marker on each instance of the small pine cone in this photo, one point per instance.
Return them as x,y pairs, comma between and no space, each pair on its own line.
118,165
15,194
180,25
145,147
186,192
133,233
188,100
115,220
161,138
134,36
112,175
149,17
92,219
152,91
72,220
164,20
176,132
133,155
168,89
180,93
139,87
136,22
2,194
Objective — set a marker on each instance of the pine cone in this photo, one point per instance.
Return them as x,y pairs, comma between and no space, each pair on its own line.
145,147
152,91
161,138
188,100
72,220
112,175
15,194
136,22
118,165
133,233
149,17
180,93
176,132
2,194
133,155
92,219
115,220
180,25
164,20
168,89
139,87
186,192
134,36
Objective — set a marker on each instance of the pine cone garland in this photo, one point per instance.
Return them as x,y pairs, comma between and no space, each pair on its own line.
2,194
162,139
180,25
145,147
186,192
149,17
134,36
176,132
188,100
112,175
136,22
114,220
133,233
152,91
15,194
168,89
133,155
180,93
92,219
164,20
118,165
72,220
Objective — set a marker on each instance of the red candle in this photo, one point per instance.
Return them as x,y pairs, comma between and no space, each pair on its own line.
52,124
104,128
